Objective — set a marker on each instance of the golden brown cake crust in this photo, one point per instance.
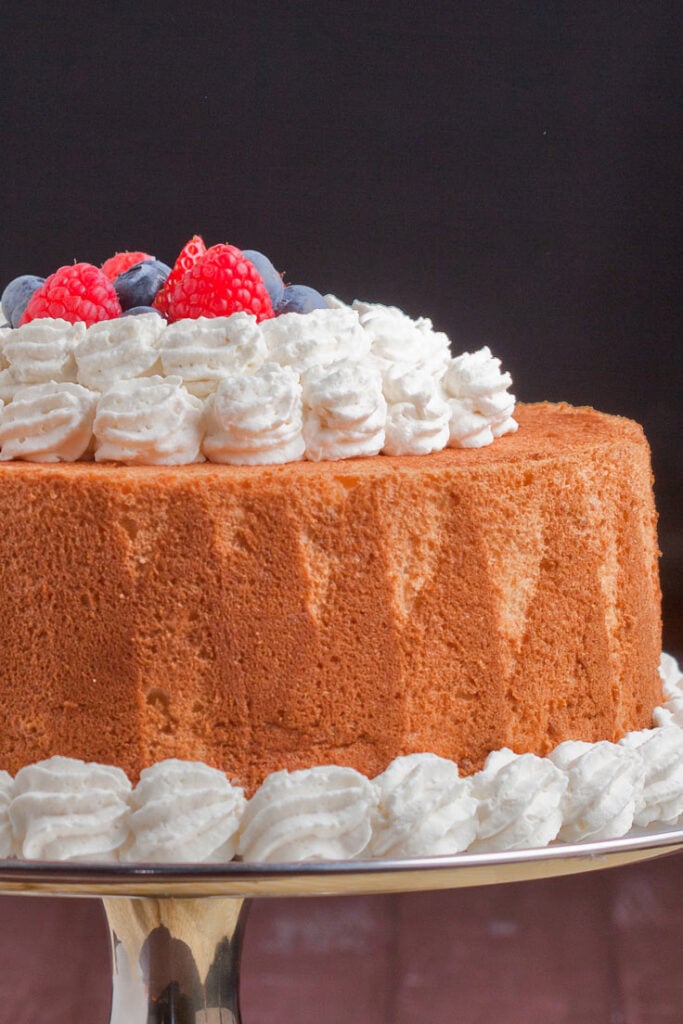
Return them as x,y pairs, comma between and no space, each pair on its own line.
344,612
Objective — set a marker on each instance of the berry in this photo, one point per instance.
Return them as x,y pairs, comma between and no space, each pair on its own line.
299,298
138,310
191,252
220,283
80,292
271,278
16,295
121,261
139,285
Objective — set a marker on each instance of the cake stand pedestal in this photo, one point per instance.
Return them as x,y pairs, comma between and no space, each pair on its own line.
176,930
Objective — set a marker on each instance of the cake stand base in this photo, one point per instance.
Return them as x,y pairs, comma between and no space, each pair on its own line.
176,930
175,961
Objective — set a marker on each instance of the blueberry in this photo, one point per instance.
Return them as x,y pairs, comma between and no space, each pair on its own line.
138,285
137,310
16,295
299,298
271,278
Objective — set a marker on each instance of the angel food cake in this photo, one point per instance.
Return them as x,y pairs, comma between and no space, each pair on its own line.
250,526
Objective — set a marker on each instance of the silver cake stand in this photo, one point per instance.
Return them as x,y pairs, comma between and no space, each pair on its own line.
176,930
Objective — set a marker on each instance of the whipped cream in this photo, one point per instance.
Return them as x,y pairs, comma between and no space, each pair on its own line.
183,811
519,801
150,421
65,809
205,350
48,423
373,380
6,793
397,340
477,393
418,416
256,418
318,338
4,333
344,410
425,809
322,813
661,771
40,351
119,349
671,712
604,788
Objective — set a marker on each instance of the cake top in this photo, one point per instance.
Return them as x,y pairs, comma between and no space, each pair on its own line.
218,359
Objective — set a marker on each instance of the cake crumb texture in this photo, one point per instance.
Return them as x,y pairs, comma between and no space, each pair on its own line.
259,618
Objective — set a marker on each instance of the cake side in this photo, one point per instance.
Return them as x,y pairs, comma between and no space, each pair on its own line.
284,616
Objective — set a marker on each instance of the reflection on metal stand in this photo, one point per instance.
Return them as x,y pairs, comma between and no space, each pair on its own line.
175,961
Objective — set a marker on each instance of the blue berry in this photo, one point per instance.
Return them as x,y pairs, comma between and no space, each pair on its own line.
299,298
137,310
16,295
138,285
271,278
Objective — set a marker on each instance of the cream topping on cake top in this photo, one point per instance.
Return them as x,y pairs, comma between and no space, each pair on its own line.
205,351
256,418
48,423
370,378
120,349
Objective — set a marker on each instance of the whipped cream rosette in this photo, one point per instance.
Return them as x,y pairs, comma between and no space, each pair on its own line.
660,798
119,349
66,809
519,797
38,352
204,351
48,423
321,813
477,393
398,340
151,421
671,711
256,418
425,809
604,788
344,410
315,339
418,415
183,811
6,837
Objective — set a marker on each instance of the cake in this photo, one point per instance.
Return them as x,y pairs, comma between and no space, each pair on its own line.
455,597
336,612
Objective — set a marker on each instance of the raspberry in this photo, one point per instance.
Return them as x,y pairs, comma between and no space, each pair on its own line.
122,261
220,283
191,252
80,292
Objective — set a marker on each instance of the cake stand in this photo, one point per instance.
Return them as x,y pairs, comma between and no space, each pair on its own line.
176,930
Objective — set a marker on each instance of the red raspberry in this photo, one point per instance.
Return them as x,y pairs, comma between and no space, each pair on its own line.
122,261
80,292
190,253
221,283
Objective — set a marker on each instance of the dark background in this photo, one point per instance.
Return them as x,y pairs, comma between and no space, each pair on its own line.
509,169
